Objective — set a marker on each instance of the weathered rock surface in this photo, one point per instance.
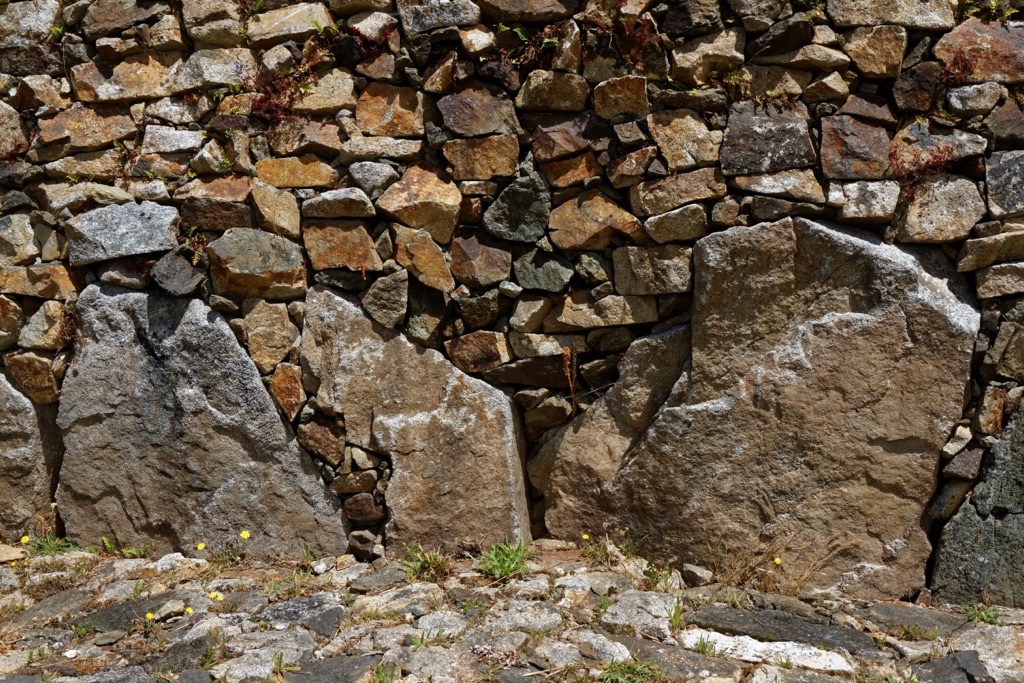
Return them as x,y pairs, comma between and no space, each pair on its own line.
443,423
30,452
121,230
161,393
834,309
981,552
764,139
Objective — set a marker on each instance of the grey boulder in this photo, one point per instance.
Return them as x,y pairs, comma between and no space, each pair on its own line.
172,439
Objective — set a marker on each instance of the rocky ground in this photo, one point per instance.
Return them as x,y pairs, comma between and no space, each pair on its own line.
552,612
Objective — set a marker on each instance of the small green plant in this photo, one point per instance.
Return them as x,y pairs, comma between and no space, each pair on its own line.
504,560
84,629
195,243
659,577
983,613
280,668
705,646
676,616
630,672
384,673
57,32
422,565
786,663
50,544
225,164
603,603
137,589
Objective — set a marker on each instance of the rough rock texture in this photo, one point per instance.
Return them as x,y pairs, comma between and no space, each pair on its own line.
30,454
981,552
784,314
443,423
162,401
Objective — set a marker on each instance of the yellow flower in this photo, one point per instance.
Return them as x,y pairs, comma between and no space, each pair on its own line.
149,616
14,564
188,610
777,560
24,540
214,595
245,533
200,546
586,537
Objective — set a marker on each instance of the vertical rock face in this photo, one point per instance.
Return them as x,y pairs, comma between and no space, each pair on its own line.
799,425
174,440
453,440
981,552
29,454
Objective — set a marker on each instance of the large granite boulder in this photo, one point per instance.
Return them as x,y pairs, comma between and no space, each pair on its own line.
453,441
173,440
30,452
827,370
981,551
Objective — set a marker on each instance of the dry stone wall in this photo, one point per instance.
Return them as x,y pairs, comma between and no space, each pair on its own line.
740,279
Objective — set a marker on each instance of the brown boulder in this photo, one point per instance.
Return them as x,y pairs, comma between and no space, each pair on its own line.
979,51
248,263
340,244
784,315
589,221
439,431
424,199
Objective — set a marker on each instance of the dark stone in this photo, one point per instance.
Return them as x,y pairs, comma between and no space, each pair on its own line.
959,667
476,110
538,269
361,544
529,10
556,136
482,311
181,271
679,664
342,278
392,575
980,556
319,612
338,669
1006,122
387,299
428,312
762,139
480,261
533,372
123,615
784,36
214,456
869,107
773,209
207,213
893,615
521,211
915,88
692,17
194,676
363,508
1004,173
964,465
181,655
56,606
853,150
243,601
777,625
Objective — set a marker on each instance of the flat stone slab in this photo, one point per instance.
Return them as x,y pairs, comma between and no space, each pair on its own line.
777,625
121,230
